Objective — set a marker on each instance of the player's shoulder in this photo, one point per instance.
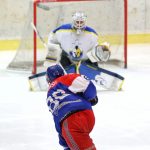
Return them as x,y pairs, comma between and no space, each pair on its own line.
63,27
70,76
67,79
90,30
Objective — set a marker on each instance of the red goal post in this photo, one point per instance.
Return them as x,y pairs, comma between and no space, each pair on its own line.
107,17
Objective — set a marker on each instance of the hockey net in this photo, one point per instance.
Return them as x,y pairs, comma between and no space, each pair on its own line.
107,17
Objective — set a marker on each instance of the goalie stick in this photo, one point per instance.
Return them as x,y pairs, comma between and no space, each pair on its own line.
101,77
47,8
37,32
42,40
104,78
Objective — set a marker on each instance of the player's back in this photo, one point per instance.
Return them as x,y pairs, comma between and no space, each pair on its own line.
61,101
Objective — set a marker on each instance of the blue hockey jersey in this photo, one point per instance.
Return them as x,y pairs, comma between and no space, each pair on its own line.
67,94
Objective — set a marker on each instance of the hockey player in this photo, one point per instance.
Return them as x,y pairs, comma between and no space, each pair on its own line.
76,47
75,42
70,99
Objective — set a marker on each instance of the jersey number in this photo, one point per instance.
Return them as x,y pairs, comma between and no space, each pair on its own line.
54,100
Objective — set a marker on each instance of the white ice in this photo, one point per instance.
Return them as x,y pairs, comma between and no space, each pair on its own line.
122,118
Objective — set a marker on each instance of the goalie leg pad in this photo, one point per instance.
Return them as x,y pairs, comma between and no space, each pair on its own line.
101,77
38,82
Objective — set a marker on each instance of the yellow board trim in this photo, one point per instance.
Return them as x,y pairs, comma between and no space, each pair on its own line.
9,44
132,39
139,38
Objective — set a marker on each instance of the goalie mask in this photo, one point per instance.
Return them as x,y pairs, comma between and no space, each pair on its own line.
79,19
54,72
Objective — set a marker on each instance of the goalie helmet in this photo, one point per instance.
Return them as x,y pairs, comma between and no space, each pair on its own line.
79,19
54,72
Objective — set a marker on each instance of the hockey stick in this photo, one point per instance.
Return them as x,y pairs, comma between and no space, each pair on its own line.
103,78
37,32
47,8
42,40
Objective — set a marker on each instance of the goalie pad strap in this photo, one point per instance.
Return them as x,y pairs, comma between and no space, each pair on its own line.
51,59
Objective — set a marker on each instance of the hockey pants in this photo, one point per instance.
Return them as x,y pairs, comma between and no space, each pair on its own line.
76,129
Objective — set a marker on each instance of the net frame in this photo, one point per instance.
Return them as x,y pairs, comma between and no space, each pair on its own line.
36,2
29,57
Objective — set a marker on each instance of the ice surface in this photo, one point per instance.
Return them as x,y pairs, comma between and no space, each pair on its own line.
122,118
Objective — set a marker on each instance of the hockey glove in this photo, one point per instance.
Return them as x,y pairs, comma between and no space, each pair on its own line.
94,101
66,148
99,53
105,46
53,55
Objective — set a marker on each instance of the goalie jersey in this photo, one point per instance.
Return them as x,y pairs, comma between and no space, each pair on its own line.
75,45
68,94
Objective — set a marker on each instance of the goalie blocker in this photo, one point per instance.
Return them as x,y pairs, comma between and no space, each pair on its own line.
53,55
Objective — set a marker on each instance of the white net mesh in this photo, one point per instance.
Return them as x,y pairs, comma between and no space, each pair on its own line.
105,16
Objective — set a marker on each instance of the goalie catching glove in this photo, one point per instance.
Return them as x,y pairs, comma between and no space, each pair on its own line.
53,55
99,53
